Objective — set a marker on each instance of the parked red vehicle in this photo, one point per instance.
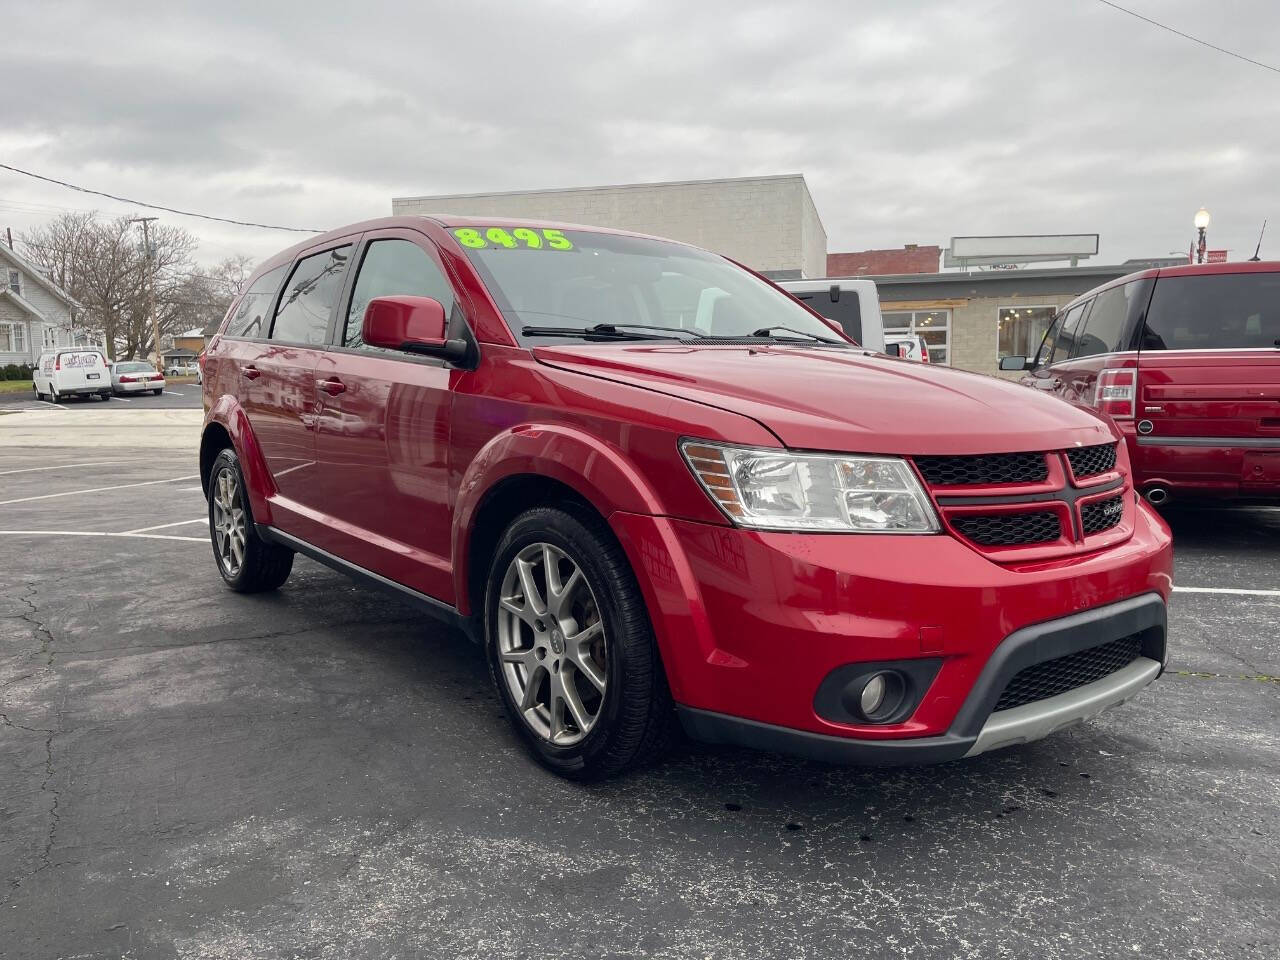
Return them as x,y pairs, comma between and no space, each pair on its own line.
654,486
1186,360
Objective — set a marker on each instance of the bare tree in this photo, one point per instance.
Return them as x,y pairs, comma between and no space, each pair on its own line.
102,263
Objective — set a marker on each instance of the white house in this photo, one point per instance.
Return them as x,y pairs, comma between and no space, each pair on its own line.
35,313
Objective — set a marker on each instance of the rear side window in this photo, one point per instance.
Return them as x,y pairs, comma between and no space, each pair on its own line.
1238,311
249,320
309,298
394,268
1064,341
1108,329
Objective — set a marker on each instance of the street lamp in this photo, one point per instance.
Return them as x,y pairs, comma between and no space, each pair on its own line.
1202,224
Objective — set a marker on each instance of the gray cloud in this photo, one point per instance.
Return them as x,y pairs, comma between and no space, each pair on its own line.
913,121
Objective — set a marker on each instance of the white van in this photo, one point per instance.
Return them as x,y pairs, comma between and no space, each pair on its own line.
854,304
72,371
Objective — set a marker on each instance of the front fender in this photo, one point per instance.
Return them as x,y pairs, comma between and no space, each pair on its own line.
227,413
596,470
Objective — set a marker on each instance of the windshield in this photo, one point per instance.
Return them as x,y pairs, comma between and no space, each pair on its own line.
578,278
132,367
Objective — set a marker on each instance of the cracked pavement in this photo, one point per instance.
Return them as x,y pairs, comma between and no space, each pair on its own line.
324,773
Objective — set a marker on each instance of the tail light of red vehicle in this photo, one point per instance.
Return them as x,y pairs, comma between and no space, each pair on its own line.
1116,392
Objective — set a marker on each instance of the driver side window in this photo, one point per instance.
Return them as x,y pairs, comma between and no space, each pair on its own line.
394,267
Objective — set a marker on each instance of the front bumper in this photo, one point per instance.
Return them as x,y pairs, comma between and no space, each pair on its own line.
750,624
976,728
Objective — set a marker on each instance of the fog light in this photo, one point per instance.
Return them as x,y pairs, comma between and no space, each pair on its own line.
872,695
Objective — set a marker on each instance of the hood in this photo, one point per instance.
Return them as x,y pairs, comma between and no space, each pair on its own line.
845,400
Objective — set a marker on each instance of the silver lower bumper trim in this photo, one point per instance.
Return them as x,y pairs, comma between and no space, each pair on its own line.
1035,720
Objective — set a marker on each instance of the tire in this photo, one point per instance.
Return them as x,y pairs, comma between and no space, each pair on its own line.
157,392
631,720
39,395
53,394
261,566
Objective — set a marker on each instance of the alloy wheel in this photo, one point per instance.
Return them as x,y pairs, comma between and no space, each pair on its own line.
552,645
229,521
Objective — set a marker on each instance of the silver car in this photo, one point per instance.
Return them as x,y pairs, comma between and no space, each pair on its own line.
135,376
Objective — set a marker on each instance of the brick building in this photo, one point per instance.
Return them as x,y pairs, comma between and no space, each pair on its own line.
913,258
768,223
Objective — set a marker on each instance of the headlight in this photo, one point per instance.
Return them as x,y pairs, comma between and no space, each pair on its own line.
780,490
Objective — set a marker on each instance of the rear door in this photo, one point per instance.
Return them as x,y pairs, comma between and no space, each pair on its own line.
276,375
1209,381
79,370
383,427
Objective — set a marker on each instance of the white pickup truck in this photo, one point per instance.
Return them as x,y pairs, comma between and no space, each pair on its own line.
854,304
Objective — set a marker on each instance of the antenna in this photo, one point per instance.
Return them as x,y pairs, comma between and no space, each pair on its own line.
1255,258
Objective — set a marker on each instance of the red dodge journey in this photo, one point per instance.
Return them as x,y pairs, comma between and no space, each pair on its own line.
660,492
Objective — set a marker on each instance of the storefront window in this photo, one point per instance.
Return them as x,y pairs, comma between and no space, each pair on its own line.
933,325
1021,329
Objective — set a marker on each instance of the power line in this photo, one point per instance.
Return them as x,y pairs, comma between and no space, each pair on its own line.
1187,36
155,206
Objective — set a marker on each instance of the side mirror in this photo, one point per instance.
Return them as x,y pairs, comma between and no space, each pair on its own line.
1014,363
893,349
413,324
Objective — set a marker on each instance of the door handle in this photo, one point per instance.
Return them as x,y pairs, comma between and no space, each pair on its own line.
251,372
332,386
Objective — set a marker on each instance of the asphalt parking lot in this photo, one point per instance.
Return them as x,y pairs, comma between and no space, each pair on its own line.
179,396
322,773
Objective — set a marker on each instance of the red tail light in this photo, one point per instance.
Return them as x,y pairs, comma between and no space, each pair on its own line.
127,380
200,360
924,352
57,363
1116,392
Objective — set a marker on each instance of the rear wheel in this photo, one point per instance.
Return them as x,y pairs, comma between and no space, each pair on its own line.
53,394
571,649
157,392
247,563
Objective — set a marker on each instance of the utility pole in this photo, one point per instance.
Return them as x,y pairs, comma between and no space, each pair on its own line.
150,283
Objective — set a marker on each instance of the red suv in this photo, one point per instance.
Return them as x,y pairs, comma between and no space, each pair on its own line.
655,486
1186,360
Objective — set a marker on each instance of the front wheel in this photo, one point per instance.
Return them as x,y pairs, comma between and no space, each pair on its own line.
571,649
247,563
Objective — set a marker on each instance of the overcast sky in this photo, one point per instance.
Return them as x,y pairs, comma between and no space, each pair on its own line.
912,121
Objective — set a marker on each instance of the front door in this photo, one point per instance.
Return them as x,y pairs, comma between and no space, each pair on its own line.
277,377
383,428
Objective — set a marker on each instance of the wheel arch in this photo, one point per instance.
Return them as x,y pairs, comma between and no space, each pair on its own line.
227,426
533,466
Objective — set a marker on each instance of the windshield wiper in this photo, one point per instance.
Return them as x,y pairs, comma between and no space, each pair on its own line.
617,331
768,333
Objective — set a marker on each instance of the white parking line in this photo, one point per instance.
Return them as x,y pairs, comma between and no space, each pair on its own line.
173,393
119,486
1228,590
122,399
97,533
63,466
166,526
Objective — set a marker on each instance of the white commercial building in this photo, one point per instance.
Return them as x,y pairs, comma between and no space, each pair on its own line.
768,223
